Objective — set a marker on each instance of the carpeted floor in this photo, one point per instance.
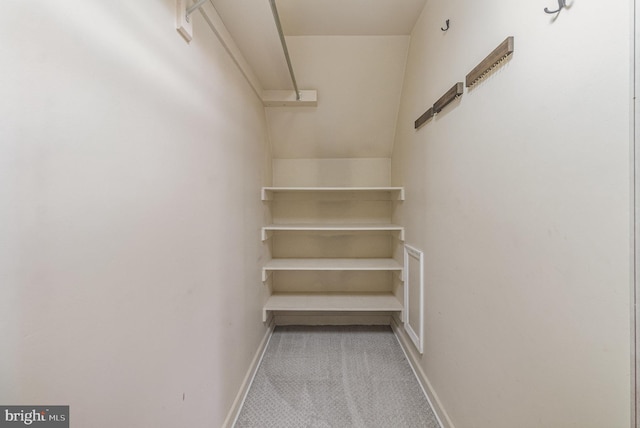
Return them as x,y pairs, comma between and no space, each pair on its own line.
335,376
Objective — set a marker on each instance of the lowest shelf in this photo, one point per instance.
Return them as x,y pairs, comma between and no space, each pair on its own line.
317,302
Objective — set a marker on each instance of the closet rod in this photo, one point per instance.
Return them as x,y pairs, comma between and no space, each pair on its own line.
276,17
193,8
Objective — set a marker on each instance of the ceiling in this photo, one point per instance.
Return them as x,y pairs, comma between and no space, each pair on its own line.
348,17
353,52
251,24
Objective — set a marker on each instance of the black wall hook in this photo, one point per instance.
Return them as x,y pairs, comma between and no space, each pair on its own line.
561,5
447,22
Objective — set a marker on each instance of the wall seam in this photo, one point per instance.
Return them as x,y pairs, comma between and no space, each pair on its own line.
404,80
440,412
634,219
254,85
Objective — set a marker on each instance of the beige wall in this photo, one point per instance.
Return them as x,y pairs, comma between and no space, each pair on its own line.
130,173
519,196
359,81
349,172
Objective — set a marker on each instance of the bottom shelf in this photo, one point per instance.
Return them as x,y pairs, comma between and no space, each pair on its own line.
313,302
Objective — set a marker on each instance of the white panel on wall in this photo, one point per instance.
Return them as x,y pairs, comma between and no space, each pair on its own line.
414,295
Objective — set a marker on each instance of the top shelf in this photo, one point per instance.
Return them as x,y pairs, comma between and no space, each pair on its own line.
394,192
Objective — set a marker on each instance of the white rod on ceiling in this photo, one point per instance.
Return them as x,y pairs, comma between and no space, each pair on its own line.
276,17
196,6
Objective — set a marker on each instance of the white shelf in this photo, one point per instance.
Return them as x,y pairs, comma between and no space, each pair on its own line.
374,302
323,227
267,192
329,265
287,98
303,209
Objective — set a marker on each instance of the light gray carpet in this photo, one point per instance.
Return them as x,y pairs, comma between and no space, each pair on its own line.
335,376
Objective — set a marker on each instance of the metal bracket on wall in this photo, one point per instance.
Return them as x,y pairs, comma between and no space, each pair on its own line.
196,6
498,55
453,93
561,5
183,18
424,118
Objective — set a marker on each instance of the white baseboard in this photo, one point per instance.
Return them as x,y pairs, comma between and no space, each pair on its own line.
432,397
332,318
248,379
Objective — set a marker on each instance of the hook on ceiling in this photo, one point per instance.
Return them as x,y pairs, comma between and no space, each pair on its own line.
447,22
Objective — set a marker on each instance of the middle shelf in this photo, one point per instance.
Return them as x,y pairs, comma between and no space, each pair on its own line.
327,227
342,264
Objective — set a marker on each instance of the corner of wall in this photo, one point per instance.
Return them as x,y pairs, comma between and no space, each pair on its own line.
236,407
430,393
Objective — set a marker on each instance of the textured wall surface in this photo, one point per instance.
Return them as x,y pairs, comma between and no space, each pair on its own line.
359,81
519,195
130,174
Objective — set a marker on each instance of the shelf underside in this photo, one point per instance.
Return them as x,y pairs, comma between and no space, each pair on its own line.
331,227
330,265
267,192
324,227
315,302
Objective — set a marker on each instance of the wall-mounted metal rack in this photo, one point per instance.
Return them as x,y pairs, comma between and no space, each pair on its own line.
424,118
496,57
453,93
456,91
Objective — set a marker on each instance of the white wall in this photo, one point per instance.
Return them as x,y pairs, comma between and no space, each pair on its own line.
519,196
130,174
349,172
359,81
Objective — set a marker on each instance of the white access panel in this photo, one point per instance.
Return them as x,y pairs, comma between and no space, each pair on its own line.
414,295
